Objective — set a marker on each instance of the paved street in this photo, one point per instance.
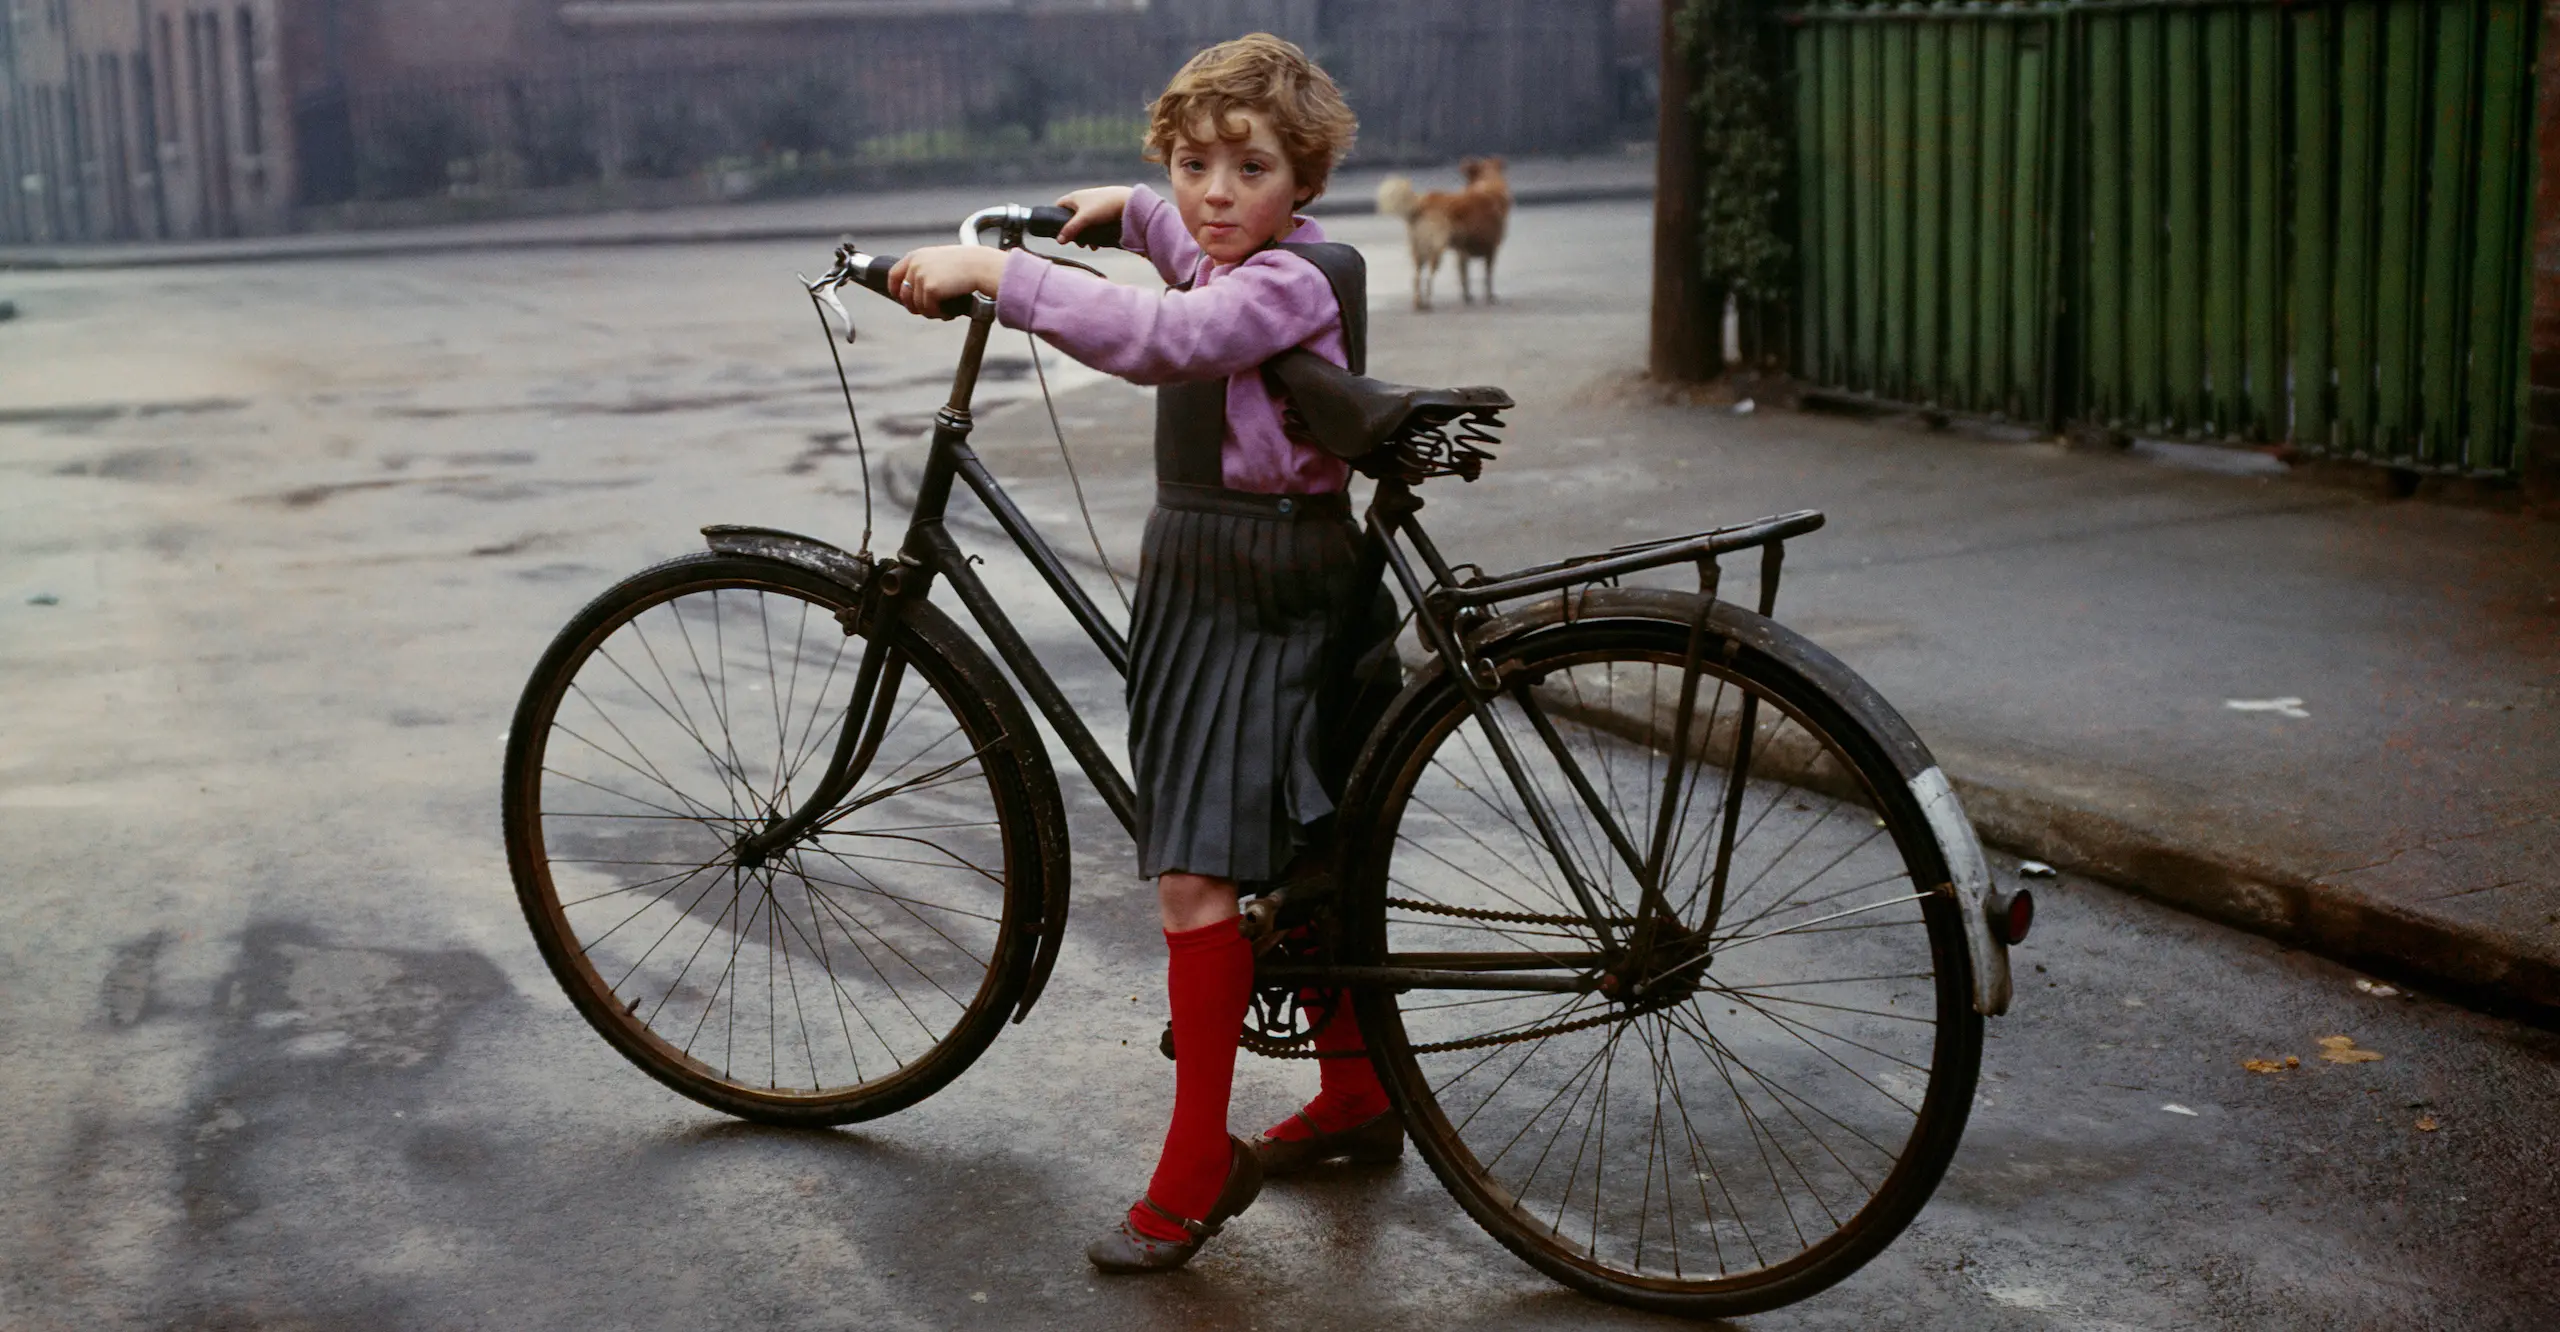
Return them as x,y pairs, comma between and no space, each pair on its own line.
278,544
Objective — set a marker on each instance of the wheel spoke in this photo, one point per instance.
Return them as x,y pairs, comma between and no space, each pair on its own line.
686,873
731,777
950,858
1730,943
876,891
1488,781
625,795
590,945
1559,900
811,737
1787,1101
649,771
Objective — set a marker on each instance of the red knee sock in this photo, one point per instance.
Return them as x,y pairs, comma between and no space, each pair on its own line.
1209,977
1350,1094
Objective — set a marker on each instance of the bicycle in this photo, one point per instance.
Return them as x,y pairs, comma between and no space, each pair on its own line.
1594,813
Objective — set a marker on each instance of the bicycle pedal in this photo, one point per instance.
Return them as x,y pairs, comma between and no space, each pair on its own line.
1256,920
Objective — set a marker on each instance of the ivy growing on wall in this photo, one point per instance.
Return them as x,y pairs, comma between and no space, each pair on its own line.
1742,147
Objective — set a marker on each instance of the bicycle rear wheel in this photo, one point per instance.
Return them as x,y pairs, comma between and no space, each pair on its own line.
1780,1065
843,978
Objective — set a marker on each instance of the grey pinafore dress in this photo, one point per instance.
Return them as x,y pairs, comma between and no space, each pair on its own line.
1253,614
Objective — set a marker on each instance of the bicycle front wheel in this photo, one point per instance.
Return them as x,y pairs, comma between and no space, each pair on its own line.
841,978
1765,1085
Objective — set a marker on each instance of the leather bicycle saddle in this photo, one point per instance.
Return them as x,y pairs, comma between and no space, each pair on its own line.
1350,415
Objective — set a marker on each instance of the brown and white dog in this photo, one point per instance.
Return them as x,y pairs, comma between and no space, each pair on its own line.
1470,221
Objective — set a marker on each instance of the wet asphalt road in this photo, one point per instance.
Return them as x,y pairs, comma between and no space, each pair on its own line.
281,1054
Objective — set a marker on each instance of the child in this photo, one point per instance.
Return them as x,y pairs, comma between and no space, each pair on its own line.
1250,590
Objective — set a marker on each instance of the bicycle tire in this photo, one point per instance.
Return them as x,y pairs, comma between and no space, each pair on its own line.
1839,737
947,926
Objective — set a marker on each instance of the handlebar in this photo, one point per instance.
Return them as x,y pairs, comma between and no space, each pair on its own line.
872,270
1043,222
1013,221
1046,219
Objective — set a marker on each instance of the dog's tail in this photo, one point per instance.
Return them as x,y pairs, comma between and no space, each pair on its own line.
1396,197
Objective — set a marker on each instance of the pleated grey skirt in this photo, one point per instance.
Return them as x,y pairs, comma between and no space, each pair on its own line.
1249,615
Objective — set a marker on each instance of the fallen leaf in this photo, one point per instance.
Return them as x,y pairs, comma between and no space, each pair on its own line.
2342,1050
2267,1065
2426,1123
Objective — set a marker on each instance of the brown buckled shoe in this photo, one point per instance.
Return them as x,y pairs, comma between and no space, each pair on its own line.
1126,1252
1373,1141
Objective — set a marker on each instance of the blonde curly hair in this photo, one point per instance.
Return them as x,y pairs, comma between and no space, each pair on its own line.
1258,72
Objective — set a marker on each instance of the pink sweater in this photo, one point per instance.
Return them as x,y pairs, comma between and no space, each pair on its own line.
1234,317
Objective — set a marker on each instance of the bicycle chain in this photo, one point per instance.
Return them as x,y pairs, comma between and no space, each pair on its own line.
1271,1049
1505,917
1481,913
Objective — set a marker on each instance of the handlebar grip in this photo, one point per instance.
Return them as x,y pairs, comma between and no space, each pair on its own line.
875,275
1047,218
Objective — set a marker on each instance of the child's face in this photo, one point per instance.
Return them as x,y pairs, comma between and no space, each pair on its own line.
1235,195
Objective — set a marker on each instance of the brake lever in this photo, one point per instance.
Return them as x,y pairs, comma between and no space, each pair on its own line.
823,292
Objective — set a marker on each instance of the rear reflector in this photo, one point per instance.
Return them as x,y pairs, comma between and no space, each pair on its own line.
2011,915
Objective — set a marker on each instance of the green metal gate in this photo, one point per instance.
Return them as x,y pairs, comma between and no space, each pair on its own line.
2230,219
1925,161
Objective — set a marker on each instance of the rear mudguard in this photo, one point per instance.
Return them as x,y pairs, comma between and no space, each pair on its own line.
852,572
1955,847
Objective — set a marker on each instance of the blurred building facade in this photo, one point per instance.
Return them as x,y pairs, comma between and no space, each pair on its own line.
129,119
123,119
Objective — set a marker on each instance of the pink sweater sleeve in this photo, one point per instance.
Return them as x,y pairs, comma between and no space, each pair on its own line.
1266,305
1152,229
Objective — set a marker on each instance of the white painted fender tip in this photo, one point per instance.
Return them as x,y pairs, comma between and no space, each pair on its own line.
1969,875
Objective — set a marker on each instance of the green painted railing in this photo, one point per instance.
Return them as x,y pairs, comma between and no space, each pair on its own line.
2235,220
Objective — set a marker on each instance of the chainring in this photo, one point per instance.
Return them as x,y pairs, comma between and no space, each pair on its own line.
1281,1021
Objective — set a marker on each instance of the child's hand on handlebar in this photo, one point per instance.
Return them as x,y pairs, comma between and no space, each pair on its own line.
1092,207
925,278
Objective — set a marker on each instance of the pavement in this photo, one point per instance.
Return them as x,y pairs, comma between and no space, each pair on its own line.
1534,181
278,542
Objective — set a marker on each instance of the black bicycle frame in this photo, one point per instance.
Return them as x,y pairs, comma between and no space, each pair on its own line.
1443,610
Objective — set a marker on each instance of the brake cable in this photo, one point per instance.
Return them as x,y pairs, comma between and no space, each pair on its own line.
822,296
819,303
1073,480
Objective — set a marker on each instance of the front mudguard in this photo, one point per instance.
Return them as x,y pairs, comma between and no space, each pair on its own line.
852,573
1958,849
